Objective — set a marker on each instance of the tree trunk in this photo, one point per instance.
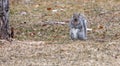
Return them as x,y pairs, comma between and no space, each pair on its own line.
4,19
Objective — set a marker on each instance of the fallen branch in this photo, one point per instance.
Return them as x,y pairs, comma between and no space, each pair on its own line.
89,29
61,23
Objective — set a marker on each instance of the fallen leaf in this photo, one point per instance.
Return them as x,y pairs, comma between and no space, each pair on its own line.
49,8
54,11
32,34
36,6
44,25
100,27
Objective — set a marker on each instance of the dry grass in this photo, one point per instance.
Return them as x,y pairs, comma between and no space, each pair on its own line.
42,43
28,20
79,53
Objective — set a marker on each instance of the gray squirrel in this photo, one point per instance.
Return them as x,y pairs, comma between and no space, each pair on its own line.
78,27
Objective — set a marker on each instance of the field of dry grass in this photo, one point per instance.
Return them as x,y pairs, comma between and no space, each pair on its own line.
42,34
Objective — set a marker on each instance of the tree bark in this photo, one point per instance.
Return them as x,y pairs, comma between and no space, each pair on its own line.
4,19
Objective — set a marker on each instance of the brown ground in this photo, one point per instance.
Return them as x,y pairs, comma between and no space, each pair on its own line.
39,41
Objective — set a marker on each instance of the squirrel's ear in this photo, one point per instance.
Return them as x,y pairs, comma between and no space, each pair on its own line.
79,14
73,15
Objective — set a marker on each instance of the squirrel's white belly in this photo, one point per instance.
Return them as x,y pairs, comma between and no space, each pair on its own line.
75,31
